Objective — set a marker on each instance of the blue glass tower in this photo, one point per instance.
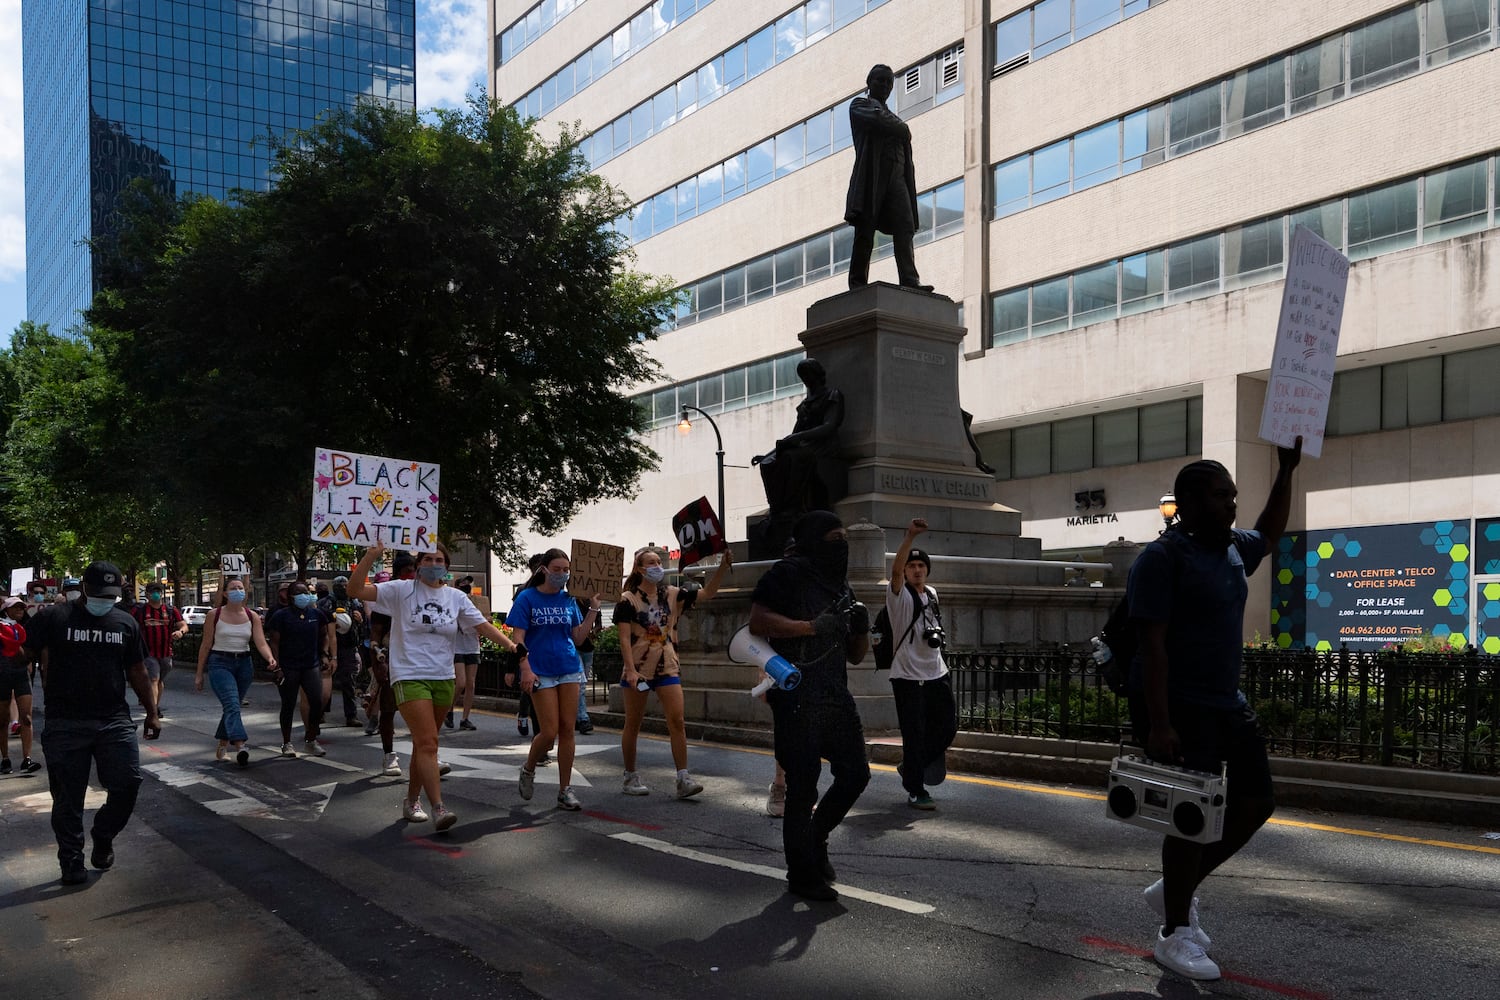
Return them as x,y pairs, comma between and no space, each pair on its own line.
184,93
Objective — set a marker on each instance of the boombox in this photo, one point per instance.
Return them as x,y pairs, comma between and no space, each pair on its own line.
1172,800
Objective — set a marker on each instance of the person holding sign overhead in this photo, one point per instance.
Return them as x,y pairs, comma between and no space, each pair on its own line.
550,669
647,617
425,616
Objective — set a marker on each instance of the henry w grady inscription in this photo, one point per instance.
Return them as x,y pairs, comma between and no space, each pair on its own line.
918,484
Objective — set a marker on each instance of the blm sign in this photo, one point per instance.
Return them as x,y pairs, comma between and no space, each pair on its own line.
698,532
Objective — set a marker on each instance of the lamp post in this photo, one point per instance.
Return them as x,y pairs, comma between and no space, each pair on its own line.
1167,507
684,426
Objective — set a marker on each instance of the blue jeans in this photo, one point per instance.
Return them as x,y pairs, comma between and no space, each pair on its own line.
71,745
583,689
229,675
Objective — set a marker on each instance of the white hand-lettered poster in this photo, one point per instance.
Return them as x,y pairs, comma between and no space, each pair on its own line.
360,499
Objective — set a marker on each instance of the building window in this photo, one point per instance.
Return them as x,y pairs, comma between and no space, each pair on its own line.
1101,440
1253,253
1116,438
1256,97
1456,201
1354,404
1195,118
1031,450
1383,219
1073,444
1384,50
1469,381
1411,393
1193,267
1164,430
1011,317
1456,28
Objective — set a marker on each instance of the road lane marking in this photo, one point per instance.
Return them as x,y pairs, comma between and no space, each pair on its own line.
1377,835
1296,992
765,871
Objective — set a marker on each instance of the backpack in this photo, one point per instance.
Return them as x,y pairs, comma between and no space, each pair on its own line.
880,632
1116,644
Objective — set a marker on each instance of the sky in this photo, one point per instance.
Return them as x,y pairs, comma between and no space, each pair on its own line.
450,65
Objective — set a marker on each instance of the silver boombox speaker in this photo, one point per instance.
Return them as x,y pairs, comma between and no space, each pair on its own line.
1172,800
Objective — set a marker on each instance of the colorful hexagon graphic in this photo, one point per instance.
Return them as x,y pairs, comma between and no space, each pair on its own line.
1491,608
1285,576
1312,558
1492,644
1444,527
1459,552
1324,646
1352,550
1458,571
1441,598
1458,606
1442,631
1491,534
1340,540
1428,536
1443,544
1325,551
1324,599
1284,640
1311,575
1460,533
1492,592
1458,640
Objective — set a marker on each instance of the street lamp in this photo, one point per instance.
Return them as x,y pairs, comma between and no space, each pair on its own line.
684,426
1167,506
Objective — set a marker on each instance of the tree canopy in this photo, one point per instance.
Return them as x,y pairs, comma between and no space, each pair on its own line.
449,289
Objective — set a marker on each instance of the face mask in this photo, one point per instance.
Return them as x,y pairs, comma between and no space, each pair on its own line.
558,579
433,573
38,598
830,559
236,596
303,601
154,598
73,595
655,574
99,606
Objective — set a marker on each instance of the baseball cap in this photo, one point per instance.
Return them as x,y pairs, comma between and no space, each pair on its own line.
102,579
921,556
341,579
10,602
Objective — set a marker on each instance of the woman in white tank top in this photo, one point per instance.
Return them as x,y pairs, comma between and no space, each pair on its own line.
225,651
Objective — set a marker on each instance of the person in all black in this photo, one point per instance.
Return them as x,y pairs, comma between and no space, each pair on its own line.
90,650
15,685
302,641
346,650
804,606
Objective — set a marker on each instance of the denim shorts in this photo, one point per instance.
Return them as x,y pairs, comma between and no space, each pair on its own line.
543,682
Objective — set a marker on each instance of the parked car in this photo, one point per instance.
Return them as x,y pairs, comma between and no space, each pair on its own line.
195,614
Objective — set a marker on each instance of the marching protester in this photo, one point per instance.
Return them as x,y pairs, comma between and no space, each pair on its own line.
161,625
90,650
425,615
919,678
380,701
465,662
804,606
550,669
348,614
224,652
302,643
647,618
1186,594
15,685
582,723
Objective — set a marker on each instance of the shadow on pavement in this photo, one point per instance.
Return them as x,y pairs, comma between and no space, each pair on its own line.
781,932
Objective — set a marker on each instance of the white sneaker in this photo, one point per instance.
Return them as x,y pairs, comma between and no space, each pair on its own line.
444,767
392,766
528,783
567,800
287,751
1181,952
686,786
311,748
776,801
442,818
632,785
1156,898
412,811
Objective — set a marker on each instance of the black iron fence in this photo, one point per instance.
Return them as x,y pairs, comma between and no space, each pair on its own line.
493,668
1424,710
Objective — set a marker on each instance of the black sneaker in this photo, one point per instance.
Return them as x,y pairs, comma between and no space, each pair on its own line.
5,767
448,720
103,857
29,766
936,771
74,874
523,725
584,726
813,888
466,724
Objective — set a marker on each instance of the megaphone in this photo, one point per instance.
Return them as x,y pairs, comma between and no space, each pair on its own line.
755,651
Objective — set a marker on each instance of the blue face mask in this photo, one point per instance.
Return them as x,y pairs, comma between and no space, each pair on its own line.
655,574
236,596
433,573
559,579
98,606
304,601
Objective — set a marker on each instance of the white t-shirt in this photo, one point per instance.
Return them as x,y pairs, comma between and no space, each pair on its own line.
424,623
913,660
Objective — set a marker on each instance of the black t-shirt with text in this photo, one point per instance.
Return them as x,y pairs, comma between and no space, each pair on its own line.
88,659
301,635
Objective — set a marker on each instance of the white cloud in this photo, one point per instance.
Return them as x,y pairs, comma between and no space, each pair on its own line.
451,53
12,165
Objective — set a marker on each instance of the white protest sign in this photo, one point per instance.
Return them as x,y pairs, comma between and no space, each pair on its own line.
1307,342
233,564
359,499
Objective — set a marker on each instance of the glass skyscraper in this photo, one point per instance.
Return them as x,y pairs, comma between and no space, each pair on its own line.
184,93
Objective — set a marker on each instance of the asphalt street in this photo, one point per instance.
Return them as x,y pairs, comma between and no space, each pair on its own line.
299,878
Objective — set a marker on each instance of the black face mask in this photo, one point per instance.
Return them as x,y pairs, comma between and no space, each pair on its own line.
830,560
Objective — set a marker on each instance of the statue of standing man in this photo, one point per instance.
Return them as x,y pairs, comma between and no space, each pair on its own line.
883,187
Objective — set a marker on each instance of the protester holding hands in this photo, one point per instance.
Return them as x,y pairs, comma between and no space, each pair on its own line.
425,615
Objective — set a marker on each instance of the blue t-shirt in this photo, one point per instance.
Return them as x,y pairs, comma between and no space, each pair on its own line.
1200,593
548,620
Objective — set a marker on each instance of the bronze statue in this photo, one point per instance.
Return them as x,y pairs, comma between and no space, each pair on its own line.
799,474
883,186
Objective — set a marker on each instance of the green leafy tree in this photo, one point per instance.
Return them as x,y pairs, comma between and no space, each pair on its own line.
449,289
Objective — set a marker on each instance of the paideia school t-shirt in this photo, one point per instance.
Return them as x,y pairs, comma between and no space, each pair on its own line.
424,622
548,620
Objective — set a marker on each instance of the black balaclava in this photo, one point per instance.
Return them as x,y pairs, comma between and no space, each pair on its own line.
830,560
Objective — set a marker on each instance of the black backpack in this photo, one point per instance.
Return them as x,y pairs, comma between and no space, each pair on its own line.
1120,638
880,632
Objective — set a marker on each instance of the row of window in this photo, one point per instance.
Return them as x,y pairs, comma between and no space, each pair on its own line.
215,15
790,150
794,31
1436,206
758,382
533,24
626,40
1389,48
1050,25
1173,429
1451,387
278,61
320,35
940,212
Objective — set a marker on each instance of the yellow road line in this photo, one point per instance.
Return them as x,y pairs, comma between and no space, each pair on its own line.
1070,793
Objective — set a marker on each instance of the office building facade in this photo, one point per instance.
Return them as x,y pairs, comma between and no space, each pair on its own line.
1109,189
183,93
